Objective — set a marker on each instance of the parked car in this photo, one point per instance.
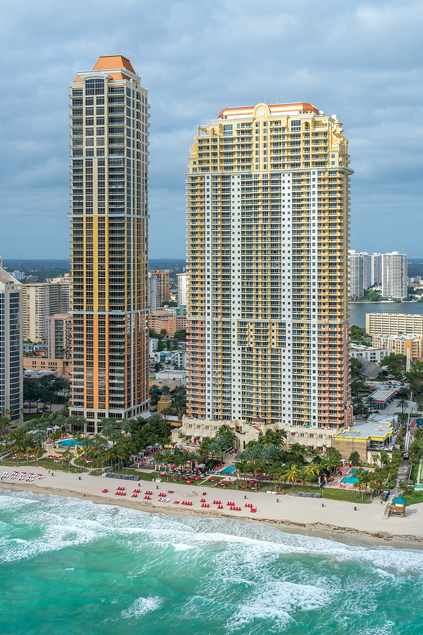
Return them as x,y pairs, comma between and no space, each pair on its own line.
406,455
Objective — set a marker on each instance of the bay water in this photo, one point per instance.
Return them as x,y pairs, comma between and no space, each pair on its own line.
358,310
70,566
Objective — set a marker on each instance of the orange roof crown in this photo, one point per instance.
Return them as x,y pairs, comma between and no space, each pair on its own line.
110,62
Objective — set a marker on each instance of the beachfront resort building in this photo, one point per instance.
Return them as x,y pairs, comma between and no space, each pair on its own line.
109,172
268,200
11,347
367,438
393,324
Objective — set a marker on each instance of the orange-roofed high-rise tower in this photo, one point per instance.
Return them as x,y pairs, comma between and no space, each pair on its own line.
109,176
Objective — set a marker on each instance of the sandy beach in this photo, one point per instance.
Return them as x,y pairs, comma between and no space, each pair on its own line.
336,519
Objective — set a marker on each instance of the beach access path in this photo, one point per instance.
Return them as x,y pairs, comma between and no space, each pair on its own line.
325,518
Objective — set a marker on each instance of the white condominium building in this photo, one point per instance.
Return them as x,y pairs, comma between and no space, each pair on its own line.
394,275
360,272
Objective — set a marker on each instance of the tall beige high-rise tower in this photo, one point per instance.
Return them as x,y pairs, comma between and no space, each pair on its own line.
109,132
268,232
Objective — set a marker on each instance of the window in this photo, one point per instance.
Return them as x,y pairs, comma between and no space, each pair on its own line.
94,86
100,121
227,129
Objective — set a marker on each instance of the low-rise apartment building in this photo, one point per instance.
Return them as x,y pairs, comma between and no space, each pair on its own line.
400,344
164,320
393,323
370,353
367,438
193,431
63,367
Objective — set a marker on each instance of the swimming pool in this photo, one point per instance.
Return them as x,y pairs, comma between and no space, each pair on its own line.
349,479
228,470
69,442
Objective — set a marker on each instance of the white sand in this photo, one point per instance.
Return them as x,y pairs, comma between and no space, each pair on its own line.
337,519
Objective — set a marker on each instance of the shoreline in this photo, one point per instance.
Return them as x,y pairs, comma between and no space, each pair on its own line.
295,515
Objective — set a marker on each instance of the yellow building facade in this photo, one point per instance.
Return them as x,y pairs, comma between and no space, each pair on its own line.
267,251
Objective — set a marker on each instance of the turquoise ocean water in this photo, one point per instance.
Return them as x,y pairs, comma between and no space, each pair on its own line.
69,566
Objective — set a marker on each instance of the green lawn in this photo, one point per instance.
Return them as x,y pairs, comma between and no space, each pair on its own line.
29,417
414,470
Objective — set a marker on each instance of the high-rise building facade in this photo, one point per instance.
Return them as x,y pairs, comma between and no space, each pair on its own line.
360,273
161,286
40,300
109,172
376,269
11,347
59,336
267,305
153,292
182,289
394,275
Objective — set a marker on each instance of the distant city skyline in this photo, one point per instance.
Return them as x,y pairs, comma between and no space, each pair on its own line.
194,58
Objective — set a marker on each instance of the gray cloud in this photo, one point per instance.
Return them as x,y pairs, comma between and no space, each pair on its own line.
362,61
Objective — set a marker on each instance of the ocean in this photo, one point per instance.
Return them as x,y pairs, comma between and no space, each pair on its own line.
70,566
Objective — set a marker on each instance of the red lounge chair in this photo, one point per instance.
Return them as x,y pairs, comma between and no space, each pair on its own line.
105,490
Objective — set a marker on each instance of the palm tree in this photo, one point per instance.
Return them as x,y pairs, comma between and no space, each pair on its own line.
291,473
371,403
402,403
274,473
241,468
312,470
363,479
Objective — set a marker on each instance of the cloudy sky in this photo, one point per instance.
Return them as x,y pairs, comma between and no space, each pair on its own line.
359,60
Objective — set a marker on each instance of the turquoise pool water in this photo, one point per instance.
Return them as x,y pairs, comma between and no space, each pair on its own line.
228,470
349,479
69,442
69,566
